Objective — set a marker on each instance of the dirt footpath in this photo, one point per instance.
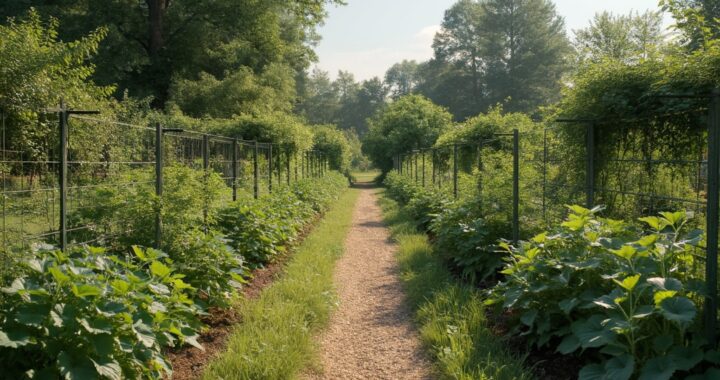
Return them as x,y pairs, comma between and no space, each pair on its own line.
371,335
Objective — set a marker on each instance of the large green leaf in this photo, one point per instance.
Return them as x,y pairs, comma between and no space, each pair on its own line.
686,358
159,269
73,369
592,332
629,283
15,338
96,325
661,368
86,290
145,334
678,309
666,283
620,368
528,319
626,252
32,314
568,345
108,368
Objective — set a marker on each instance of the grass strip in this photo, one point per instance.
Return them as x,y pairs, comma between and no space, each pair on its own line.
275,338
450,315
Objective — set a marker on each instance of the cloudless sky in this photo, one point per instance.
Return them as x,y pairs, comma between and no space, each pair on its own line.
366,37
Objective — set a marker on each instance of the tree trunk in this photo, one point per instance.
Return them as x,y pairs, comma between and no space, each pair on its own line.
156,40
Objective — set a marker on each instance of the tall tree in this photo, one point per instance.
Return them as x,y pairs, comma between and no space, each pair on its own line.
367,100
525,50
460,44
698,20
165,40
623,37
402,78
319,103
510,51
410,123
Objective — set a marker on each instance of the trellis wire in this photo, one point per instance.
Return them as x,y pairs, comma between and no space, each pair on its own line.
88,154
545,177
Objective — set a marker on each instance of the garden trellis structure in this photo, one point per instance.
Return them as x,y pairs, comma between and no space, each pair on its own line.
543,175
43,193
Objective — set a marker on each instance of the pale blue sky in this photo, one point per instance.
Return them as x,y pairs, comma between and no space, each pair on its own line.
366,37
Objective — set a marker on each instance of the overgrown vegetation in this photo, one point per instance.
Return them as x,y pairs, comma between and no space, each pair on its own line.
93,312
622,297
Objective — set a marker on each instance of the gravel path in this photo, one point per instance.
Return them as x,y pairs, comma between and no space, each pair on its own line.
371,335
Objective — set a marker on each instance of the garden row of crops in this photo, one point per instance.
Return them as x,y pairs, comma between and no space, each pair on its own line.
111,308
623,298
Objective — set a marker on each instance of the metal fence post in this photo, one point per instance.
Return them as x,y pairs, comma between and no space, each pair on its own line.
206,176
590,166
63,172
158,183
423,169
455,170
279,166
270,167
256,182
516,186
296,166
434,164
544,185
287,164
234,169
481,146
417,175
713,200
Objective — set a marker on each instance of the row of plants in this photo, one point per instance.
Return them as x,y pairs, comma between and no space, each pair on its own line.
112,312
624,298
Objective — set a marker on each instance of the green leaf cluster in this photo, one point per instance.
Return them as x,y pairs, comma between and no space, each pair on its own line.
626,297
88,314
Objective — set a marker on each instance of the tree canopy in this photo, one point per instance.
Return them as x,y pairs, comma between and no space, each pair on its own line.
410,123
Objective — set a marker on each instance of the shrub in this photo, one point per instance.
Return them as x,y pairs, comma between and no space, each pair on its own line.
467,241
603,287
86,314
213,268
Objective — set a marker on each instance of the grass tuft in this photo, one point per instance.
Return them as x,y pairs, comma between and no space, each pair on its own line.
275,339
450,315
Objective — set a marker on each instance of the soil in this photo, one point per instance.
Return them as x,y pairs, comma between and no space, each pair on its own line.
371,335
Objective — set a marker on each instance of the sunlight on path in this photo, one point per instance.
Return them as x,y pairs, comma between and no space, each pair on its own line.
371,335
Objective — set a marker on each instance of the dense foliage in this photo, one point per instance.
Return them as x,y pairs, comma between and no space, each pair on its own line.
620,295
97,313
623,298
249,50
410,123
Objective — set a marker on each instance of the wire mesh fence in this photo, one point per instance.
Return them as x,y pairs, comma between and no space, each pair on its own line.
62,189
527,178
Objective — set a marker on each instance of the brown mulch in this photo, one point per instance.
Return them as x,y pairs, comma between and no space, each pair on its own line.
189,362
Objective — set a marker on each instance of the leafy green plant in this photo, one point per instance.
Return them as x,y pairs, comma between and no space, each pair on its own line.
606,288
210,265
86,314
467,241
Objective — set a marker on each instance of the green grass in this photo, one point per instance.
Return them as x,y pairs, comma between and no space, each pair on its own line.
275,339
365,176
450,315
